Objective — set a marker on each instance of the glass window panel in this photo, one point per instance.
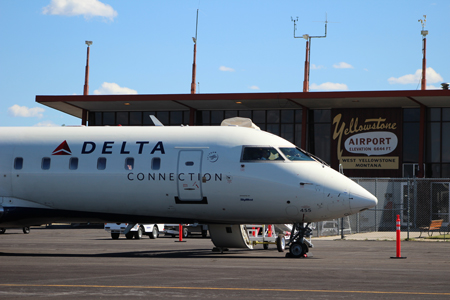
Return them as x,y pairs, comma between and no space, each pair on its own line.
298,135
295,154
98,119
245,114
176,118
260,154
186,117
434,114
91,118
45,163
136,118
122,118
273,128
156,163
287,132
298,115
445,170
322,141
273,116
445,142
434,142
129,163
231,114
18,163
287,116
163,117
101,163
206,117
73,163
446,114
259,116
411,114
146,120
411,142
433,170
109,118
322,116
216,117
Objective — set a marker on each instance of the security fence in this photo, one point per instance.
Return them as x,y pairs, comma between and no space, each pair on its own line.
416,200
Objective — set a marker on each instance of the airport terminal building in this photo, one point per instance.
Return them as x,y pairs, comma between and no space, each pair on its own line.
379,138
367,133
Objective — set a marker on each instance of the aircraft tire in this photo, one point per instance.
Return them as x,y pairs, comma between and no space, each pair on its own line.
185,232
297,249
115,235
154,234
26,230
281,243
138,233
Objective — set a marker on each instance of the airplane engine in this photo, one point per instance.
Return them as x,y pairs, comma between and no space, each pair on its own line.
229,236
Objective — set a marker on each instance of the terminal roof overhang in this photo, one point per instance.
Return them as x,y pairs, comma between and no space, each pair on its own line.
74,104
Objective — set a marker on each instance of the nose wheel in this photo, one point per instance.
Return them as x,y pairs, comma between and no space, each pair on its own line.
298,245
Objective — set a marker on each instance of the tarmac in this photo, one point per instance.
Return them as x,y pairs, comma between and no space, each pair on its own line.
87,263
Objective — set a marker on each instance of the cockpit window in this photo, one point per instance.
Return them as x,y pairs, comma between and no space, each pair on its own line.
261,154
295,154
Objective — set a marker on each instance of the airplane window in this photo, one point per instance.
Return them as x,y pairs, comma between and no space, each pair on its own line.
73,163
156,163
45,163
18,163
101,163
261,154
295,154
189,163
129,163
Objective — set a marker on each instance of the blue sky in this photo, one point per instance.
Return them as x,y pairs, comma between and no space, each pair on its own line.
146,47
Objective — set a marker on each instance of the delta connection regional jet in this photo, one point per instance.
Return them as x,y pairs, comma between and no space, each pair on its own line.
222,176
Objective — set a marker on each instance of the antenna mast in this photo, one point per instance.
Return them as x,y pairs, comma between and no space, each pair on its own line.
308,50
424,50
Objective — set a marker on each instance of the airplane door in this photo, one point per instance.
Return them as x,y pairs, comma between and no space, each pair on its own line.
189,176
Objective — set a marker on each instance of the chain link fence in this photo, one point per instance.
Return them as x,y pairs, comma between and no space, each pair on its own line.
417,201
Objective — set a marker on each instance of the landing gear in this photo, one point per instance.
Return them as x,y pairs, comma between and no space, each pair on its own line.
298,245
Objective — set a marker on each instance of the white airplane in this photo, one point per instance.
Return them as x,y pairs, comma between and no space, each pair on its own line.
222,176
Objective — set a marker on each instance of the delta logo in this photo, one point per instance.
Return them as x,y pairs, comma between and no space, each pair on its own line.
62,149
108,147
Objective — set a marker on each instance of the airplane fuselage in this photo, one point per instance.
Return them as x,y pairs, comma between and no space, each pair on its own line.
165,174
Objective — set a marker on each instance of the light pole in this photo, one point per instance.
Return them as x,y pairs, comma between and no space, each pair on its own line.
194,65
86,83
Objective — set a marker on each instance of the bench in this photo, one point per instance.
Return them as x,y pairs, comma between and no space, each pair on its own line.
434,225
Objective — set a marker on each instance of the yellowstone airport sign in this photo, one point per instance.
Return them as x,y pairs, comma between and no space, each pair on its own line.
366,138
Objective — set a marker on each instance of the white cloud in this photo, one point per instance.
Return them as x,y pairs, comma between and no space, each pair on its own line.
314,67
342,65
432,87
23,111
111,88
432,77
329,86
226,69
254,87
45,124
87,8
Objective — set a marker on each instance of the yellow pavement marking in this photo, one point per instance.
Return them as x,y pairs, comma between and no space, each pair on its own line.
215,288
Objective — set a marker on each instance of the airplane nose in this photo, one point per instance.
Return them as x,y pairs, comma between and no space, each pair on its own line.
361,199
